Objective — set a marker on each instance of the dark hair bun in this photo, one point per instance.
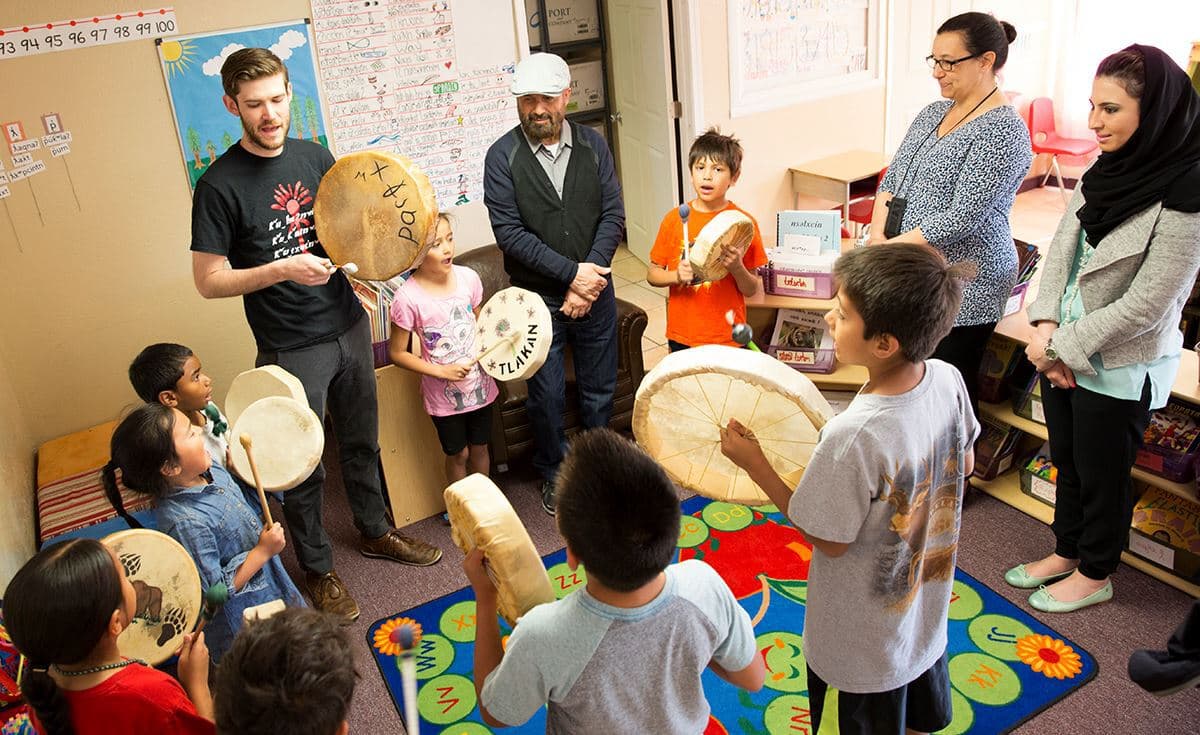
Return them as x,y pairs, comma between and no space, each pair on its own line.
1009,32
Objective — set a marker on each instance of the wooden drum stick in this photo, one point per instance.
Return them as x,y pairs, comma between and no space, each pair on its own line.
247,444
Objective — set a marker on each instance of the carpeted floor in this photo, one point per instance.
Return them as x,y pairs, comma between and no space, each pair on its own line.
1142,614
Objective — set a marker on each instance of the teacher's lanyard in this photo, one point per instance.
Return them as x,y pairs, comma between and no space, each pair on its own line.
921,145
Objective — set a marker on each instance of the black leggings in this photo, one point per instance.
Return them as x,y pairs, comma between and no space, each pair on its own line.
1094,440
963,348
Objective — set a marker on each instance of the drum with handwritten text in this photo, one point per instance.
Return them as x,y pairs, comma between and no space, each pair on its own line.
376,209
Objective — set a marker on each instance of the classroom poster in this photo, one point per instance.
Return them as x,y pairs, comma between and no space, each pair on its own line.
192,70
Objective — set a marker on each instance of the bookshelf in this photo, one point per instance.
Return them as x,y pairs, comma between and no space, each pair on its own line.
1006,487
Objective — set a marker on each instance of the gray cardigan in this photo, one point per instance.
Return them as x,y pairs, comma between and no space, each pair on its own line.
1133,288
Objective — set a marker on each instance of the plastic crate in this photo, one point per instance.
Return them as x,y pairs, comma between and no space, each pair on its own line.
784,281
1172,442
1038,476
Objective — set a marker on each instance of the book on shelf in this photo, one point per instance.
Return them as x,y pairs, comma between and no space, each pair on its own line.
802,340
808,232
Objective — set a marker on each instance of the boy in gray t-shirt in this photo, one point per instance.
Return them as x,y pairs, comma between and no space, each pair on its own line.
881,497
625,653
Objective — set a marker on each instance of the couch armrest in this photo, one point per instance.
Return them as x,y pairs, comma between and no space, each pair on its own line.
631,324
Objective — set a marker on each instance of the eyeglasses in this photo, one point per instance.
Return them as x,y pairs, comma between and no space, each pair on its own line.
946,64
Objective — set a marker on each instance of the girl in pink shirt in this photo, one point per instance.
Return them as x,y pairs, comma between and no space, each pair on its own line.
439,303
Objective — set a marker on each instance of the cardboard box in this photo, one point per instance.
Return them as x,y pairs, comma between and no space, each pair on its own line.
587,86
1038,476
570,20
1166,532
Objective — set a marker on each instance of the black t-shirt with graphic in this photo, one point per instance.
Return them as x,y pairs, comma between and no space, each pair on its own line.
256,210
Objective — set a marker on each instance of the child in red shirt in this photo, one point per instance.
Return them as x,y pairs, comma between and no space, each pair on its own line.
64,610
696,311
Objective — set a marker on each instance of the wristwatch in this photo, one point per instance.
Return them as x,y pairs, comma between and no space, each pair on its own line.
1050,353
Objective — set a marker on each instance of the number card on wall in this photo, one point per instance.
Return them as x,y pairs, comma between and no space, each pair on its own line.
27,39
192,70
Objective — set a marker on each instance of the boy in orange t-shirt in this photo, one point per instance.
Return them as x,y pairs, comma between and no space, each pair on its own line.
696,311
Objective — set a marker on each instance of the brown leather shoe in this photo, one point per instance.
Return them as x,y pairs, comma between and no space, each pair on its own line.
329,593
403,549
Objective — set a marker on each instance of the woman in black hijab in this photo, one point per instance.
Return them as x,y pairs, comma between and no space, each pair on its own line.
1107,340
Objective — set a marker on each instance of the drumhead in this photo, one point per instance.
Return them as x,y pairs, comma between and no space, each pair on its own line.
286,437
728,230
481,517
169,595
375,209
251,385
684,402
519,321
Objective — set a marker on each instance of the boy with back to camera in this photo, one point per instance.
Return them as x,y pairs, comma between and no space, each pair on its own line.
881,498
696,311
290,673
595,658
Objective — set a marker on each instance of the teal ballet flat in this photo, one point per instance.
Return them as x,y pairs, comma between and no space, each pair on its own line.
1018,577
1044,601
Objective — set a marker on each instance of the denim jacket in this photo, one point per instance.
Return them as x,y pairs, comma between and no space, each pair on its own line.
218,527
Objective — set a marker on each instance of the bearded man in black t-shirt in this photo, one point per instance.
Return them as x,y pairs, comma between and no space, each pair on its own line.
253,236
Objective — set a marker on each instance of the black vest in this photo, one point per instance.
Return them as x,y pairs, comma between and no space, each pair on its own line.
567,225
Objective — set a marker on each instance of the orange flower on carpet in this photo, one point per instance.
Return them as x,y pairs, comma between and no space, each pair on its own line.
1049,656
387,637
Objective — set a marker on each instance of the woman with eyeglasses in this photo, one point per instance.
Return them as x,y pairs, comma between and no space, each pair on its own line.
1112,289
953,179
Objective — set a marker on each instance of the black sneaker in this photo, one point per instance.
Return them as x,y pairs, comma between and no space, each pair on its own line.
1161,674
548,497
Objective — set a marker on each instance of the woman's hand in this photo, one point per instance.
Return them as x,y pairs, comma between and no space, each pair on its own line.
1059,375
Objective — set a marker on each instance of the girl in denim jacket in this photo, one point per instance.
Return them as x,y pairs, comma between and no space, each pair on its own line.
161,453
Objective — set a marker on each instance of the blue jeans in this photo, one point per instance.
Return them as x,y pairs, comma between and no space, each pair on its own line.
339,374
593,341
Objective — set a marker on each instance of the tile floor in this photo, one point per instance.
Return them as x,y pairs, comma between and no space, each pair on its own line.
1034,218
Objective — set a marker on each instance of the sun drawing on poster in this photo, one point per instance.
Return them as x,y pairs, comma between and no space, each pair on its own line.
177,56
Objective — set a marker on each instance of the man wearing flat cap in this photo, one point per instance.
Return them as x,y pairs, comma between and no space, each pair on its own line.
555,205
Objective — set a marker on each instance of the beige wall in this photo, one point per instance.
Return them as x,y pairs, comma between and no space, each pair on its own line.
95,284
16,481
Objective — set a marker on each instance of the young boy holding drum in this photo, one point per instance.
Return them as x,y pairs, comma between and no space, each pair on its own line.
881,498
696,311
595,658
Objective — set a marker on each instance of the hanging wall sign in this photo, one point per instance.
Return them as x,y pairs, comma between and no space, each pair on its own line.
27,39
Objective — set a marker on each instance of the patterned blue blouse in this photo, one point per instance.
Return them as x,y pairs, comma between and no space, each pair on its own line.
219,527
960,189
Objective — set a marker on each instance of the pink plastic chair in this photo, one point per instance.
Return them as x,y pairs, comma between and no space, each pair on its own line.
1045,140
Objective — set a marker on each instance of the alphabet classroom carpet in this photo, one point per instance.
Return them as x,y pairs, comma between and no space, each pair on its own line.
1005,666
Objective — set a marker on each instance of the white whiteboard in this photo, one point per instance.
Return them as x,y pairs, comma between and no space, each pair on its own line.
427,79
786,51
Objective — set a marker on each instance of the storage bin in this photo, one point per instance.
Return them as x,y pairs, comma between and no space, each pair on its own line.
995,448
1166,532
1027,399
1038,476
1172,442
785,281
